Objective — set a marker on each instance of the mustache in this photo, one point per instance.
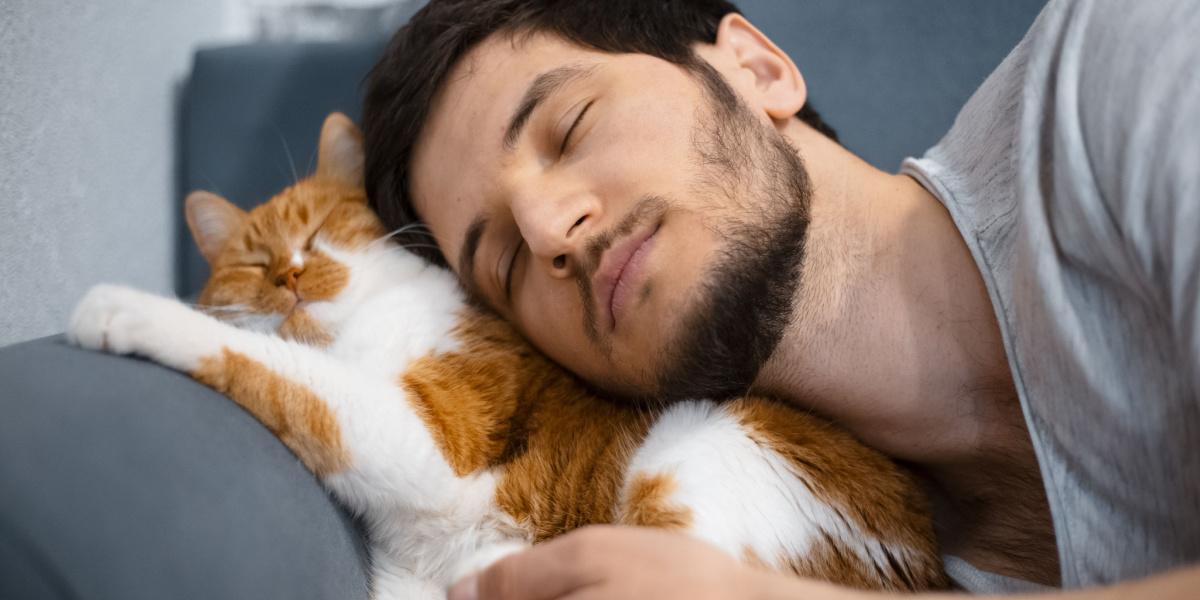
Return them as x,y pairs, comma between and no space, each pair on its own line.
649,207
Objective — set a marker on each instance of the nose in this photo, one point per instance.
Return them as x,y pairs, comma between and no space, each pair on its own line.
288,277
555,227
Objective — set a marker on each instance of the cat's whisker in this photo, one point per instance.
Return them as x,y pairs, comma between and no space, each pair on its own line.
411,246
417,228
236,314
411,228
213,308
288,152
200,306
241,316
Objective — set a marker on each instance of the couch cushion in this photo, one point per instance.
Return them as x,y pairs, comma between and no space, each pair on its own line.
122,479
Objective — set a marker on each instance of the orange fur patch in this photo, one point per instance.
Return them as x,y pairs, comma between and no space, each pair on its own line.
291,411
830,560
648,503
299,326
562,451
861,485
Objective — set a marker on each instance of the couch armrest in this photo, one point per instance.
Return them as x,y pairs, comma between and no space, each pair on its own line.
122,479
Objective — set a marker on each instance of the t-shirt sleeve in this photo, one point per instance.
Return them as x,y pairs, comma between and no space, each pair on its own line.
1138,103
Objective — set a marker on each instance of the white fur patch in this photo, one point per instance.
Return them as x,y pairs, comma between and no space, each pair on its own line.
394,309
743,496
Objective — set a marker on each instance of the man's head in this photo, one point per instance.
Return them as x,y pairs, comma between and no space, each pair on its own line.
607,175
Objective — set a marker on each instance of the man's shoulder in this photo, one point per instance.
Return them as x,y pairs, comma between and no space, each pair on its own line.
1112,107
1090,119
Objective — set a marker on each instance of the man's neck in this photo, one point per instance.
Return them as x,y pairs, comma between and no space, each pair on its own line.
894,337
893,333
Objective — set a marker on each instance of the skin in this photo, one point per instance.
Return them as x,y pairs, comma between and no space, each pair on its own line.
892,334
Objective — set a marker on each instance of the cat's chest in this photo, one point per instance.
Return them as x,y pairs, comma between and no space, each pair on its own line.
396,326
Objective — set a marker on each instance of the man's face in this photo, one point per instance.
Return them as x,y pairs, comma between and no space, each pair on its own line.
634,228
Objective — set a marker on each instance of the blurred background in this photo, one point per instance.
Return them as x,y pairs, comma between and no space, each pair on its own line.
90,92
110,111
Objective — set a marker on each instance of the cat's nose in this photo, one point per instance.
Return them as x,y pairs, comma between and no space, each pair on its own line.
288,277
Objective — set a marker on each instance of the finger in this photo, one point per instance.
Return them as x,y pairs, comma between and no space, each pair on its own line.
545,572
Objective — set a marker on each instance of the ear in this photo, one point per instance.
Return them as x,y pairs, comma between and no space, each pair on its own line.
765,72
213,220
340,157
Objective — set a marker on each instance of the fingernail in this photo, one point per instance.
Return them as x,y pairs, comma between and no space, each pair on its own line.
467,588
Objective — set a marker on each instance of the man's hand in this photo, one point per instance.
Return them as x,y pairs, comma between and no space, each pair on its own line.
611,563
600,563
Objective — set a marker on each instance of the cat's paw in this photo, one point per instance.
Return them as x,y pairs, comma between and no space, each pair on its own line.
102,308
123,320
110,318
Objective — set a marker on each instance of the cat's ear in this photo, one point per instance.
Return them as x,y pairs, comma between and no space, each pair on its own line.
340,157
213,220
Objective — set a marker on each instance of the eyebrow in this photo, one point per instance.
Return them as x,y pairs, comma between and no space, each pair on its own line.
466,255
542,87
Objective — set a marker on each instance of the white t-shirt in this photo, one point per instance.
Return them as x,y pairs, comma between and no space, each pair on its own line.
1073,175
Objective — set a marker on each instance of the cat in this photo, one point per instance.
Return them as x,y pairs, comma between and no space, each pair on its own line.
458,443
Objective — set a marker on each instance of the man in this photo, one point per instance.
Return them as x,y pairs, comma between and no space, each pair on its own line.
1015,315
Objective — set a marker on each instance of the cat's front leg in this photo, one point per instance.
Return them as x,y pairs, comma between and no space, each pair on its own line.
355,429
124,320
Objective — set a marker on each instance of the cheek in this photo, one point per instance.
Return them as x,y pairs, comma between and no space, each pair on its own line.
550,316
323,278
244,289
229,287
645,143
627,163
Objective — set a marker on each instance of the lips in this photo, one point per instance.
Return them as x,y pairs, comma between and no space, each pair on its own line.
620,268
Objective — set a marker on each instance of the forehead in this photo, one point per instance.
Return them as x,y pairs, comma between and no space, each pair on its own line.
459,153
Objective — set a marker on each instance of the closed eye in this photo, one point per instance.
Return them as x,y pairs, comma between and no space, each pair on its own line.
248,269
567,138
252,262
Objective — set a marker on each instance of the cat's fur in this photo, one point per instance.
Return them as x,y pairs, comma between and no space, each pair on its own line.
457,442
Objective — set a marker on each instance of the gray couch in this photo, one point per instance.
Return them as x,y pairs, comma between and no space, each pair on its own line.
121,479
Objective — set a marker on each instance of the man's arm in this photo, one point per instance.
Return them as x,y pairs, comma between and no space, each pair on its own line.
600,563
1175,585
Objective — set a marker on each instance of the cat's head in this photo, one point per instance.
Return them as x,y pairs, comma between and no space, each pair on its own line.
273,266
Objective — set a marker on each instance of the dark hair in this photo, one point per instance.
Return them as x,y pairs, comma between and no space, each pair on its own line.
402,86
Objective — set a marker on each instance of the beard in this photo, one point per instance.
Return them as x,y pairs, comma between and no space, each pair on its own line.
744,302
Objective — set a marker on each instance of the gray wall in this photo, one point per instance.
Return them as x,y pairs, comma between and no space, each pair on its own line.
86,155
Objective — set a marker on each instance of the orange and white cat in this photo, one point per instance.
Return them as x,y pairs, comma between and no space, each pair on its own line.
458,443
